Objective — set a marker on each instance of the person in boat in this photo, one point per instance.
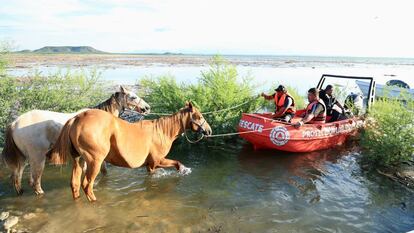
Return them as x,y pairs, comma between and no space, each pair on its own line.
330,101
284,103
315,111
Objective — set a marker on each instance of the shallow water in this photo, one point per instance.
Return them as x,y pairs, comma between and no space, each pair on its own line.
228,190
301,76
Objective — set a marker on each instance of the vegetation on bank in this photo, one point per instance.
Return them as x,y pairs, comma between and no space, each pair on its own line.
388,138
61,92
4,50
220,87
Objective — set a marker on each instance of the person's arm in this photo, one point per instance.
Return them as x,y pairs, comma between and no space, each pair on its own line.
304,120
340,106
286,105
316,110
268,97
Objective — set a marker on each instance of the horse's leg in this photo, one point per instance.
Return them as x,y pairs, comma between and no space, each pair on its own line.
174,163
92,171
76,177
152,164
104,169
164,163
17,177
37,164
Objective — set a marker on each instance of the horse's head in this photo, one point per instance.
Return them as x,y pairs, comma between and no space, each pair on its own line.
196,121
129,99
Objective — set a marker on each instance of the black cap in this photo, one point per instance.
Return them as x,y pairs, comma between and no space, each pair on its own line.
328,87
280,88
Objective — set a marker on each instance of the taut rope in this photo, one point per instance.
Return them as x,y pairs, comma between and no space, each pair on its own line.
209,112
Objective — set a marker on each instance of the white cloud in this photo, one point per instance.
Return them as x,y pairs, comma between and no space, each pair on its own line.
319,27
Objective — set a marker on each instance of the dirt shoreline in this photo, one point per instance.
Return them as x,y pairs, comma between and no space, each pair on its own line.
80,60
30,60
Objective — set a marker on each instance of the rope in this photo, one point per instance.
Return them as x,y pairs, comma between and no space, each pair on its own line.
227,109
209,112
160,113
191,141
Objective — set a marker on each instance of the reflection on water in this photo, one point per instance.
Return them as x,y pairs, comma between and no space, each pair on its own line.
229,190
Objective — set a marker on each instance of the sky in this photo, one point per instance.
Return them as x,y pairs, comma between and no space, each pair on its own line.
364,28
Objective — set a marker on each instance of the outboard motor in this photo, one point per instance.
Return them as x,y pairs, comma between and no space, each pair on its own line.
354,103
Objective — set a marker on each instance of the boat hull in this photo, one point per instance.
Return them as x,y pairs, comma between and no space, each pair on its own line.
266,133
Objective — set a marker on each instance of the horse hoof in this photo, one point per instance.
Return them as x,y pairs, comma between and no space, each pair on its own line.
19,192
91,198
185,170
39,192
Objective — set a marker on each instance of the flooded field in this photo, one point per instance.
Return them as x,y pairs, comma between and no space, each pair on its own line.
229,190
299,72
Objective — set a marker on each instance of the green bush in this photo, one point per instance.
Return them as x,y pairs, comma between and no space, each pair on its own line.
388,138
4,50
61,92
218,88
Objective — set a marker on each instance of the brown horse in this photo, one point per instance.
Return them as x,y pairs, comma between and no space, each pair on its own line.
31,135
97,136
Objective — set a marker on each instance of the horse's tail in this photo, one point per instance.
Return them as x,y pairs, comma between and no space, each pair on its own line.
11,154
62,149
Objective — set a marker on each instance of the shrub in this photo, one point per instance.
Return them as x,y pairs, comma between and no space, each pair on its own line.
218,88
4,50
61,92
388,138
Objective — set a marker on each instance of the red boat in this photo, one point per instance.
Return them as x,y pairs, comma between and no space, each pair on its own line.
266,133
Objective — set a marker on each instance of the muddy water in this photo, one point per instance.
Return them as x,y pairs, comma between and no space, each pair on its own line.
229,190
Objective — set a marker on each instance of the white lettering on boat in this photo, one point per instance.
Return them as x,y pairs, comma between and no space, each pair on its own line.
333,130
251,126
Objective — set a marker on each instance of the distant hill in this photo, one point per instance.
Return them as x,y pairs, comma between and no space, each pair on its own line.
65,49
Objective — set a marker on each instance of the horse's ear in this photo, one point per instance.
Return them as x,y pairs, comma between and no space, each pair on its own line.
123,90
190,106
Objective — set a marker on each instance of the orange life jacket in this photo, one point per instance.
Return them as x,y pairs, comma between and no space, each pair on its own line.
321,118
280,102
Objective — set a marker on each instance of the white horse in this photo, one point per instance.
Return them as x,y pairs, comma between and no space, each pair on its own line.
33,133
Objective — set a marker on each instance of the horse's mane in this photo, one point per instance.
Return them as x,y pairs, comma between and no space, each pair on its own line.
167,127
109,105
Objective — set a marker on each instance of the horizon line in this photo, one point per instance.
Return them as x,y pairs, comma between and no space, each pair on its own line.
212,54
